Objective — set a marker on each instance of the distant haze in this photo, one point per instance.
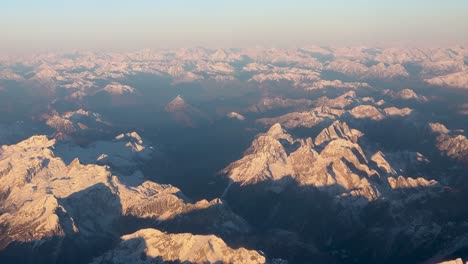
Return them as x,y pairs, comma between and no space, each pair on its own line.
122,25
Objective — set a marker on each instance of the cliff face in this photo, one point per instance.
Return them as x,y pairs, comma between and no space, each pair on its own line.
45,201
154,246
333,160
451,143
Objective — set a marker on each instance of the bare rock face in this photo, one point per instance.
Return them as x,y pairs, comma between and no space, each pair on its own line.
338,164
41,197
72,123
265,159
451,143
335,131
339,102
333,162
304,119
382,163
438,128
64,127
406,183
394,111
454,146
154,246
366,111
405,94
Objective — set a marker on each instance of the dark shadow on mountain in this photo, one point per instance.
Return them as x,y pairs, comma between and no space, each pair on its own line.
303,211
408,134
86,210
302,224
334,229
92,222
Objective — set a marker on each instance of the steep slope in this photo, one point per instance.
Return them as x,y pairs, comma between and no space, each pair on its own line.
74,124
124,153
154,246
451,143
265,159
45,201
333,161
335,131
342,192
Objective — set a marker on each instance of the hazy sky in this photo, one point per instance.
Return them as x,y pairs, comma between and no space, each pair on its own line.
130,24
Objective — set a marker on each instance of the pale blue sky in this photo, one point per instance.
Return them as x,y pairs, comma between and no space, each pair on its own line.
118,24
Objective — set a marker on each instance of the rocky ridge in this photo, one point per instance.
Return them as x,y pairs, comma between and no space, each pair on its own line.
46,201
333,161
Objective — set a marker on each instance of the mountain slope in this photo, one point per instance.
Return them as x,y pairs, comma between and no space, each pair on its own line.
153,246
45,201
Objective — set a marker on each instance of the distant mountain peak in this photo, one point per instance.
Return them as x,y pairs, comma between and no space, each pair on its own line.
178,103
234,115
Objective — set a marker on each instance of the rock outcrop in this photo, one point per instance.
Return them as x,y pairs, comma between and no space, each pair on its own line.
154,246
450,143
333,160
44,199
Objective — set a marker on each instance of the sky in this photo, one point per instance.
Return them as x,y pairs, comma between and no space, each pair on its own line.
124,25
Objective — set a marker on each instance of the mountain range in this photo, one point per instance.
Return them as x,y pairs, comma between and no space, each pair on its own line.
253,155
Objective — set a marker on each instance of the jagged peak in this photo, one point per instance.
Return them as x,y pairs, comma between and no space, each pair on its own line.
337,146
35,141
75,162
366,111
276,130
339,124
379,159
408,183
336,130
184,247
